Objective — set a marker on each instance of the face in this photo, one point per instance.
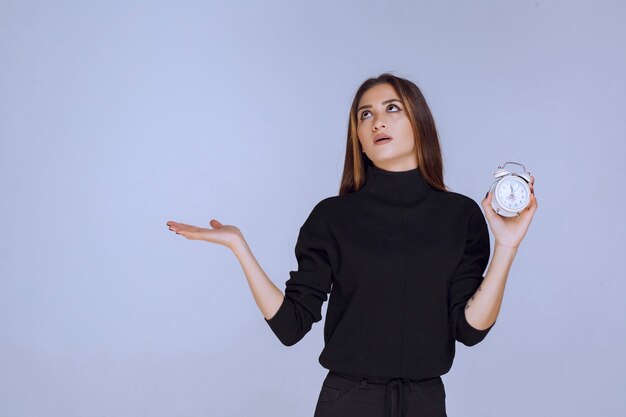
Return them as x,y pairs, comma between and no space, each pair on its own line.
381,111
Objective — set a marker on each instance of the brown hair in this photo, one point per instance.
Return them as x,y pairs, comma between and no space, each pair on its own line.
427,148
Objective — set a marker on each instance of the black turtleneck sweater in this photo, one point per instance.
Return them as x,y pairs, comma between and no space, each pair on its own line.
400,259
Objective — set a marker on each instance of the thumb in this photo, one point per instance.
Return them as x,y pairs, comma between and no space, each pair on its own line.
486,203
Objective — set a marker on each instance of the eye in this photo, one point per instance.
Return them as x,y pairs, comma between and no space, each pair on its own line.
391,105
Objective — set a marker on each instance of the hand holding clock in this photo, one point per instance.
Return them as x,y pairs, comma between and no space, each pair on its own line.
509,231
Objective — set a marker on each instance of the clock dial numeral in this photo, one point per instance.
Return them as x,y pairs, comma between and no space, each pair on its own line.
512,193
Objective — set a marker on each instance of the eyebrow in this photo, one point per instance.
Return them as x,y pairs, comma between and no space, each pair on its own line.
367,106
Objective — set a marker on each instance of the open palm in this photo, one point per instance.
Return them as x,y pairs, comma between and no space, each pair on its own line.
220,233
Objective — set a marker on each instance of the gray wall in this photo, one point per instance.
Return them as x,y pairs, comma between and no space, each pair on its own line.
117,117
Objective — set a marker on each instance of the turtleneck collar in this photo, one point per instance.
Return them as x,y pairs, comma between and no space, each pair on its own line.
396,187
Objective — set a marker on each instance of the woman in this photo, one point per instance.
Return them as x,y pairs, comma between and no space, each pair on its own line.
401,257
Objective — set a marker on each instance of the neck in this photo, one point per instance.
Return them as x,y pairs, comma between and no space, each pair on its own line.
396,187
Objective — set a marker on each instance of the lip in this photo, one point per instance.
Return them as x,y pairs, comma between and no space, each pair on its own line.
382,135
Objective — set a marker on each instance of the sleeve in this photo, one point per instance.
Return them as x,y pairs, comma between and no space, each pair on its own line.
307,288
468,276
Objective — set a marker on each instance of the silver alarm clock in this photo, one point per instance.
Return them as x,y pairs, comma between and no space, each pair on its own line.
511,191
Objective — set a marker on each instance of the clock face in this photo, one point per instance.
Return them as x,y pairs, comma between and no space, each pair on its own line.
513,193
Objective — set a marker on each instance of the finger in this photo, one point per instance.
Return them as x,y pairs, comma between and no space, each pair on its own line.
184,233
484,203
533,204
487,208
487,203
176,225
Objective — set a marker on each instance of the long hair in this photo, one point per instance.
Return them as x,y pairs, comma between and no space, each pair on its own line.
427,147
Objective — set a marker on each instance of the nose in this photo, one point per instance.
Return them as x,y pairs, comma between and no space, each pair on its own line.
378,124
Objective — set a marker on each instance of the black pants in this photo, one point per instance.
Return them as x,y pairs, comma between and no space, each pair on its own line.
345,395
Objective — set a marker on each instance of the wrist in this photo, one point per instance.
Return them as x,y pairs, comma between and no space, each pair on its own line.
506,246
239,246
